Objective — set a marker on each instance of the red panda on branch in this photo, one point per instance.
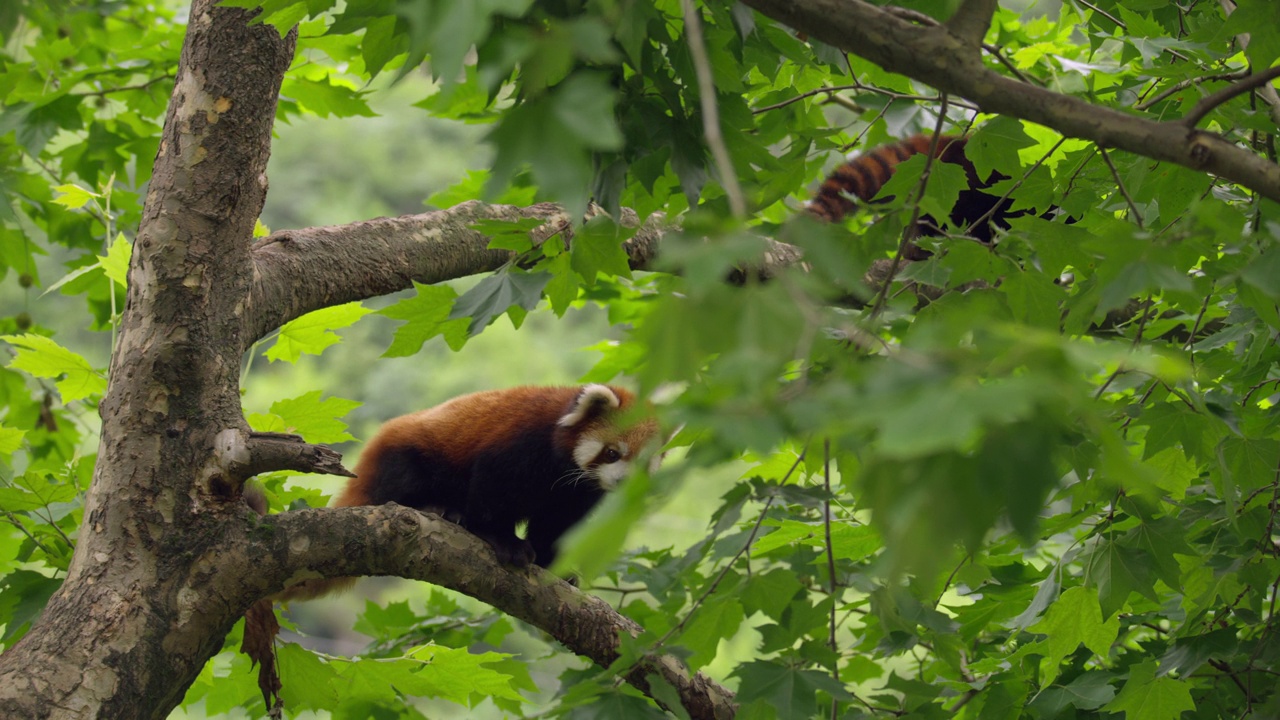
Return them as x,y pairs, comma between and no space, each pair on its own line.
490,460
487,461
979,213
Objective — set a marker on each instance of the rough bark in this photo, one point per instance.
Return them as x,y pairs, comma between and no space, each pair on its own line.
297,271
133,623
393,540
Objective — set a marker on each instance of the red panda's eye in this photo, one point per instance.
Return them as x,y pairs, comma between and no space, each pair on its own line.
611,456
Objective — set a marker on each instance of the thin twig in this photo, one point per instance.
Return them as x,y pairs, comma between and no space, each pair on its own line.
124,88
710,113
728,566
917,98
1208,103
845,103
910,231
1195,326
952,576
1133,207
1025,176
1119,23
1255,388
803,95
998,53
13,520
858,140
1186,83
831,565
1147,305
1268,92
1104,14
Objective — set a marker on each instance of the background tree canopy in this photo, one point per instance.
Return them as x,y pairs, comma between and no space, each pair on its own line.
1037,478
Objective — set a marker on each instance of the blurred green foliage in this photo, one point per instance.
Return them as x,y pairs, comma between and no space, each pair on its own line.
1047,492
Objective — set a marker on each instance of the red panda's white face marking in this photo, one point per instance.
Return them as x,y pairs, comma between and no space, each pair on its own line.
603,450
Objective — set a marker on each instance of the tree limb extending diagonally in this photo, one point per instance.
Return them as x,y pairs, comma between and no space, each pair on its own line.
938,57
395,540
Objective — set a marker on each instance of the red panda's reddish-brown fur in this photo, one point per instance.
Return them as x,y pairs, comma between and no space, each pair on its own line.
491,459
862,177
460,428
545,455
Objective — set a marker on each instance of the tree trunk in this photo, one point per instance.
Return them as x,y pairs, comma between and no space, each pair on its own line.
134,623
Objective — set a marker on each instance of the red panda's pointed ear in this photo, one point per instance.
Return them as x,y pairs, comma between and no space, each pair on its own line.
590,403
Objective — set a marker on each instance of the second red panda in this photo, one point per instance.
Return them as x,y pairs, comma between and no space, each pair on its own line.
976,211
490,460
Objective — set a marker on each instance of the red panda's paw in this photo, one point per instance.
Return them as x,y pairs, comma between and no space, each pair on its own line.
511,551
520,554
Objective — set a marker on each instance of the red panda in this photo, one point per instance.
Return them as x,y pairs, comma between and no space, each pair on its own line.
489,460
862,177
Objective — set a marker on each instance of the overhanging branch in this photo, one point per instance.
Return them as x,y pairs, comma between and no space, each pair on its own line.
936,56
298,271
972,19
394,540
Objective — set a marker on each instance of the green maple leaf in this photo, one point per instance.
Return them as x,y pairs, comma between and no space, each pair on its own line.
42,357
718,618
790,691
1118,570
497,294
116,262
313,332
74,197
1146,697
1075,618
426,315
1087,692
307,415
597,248
10,439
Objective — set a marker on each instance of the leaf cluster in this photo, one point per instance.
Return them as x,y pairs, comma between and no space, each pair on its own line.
1037,478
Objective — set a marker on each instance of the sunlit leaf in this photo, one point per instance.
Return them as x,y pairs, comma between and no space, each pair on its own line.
44,358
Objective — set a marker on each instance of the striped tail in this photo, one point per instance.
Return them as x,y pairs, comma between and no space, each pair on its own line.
863,176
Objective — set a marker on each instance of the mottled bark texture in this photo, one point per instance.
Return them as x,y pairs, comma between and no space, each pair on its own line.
140,613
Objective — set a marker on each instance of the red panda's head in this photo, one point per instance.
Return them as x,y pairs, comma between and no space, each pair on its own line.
602,436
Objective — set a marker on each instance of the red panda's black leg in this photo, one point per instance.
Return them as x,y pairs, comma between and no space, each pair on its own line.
453,515
494,506
546,528
510,549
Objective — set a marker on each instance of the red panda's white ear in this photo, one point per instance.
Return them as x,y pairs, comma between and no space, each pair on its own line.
593,400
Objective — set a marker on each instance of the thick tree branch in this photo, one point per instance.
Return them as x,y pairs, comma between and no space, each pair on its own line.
1209,102
244,455
1268,91
297,271
394,540
120,638
972,19
935,56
